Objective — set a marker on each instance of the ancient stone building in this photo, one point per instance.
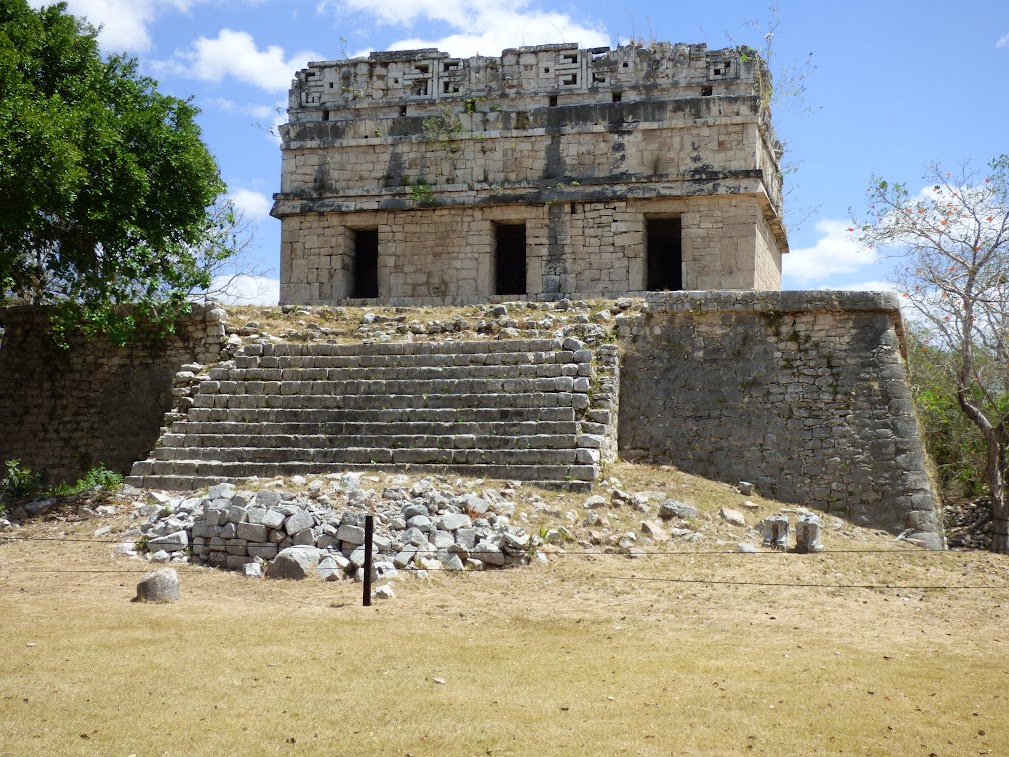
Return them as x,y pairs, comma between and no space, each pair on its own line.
414,177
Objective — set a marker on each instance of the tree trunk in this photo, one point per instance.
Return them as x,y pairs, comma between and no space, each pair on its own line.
999,506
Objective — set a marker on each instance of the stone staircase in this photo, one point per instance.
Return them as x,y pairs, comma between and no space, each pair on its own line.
537,410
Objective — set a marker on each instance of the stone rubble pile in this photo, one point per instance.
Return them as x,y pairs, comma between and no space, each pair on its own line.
968,524
418,527
592,322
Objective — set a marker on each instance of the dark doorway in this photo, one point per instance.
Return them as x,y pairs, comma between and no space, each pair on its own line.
665,254
365,263
510,258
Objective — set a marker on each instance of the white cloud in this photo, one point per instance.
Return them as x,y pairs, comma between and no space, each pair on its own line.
837,251
245,290
484,27
254,205
256,111
269,118
234,53
1003,41
124,22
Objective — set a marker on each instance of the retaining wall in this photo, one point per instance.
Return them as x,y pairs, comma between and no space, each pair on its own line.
805,394
62,411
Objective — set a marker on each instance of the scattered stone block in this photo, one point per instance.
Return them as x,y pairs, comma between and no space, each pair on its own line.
653,529
808,529
173,542
295,563
672,508
732,516
774,531
161,585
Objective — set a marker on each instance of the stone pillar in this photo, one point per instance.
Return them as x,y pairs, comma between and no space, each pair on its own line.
774,531
807,533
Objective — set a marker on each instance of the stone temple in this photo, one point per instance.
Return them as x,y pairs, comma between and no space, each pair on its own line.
413,177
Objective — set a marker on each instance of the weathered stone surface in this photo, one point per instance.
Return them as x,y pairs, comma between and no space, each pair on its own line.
267,498
160,585
221,491
173,542
331,570
351,535
454,521
299,521
807,533
294,563
774,531
789,425
420,522
256,515
730,515
489,553
303,538
672,508
252,532
262,551
653,529
273,519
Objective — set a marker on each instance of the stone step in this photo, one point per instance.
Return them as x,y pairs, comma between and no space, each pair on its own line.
196,474
402,373
393,428
576,400
182,460
450,440
189,483
311,349
365,387
428,361
381,415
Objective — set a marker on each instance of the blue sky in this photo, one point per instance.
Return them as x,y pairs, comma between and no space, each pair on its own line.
896,84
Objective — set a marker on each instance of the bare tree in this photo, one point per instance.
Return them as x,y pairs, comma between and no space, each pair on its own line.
231,229
952,242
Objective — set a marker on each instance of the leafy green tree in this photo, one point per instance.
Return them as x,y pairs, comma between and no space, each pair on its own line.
952,241
954,443
108,195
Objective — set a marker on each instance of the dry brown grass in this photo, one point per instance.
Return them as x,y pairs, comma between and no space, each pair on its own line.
592,654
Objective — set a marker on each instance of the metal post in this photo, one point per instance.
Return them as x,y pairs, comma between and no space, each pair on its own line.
369,530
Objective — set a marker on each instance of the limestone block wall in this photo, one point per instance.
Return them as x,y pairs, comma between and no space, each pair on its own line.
62,411
803,393
581,145
590,248
486,149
